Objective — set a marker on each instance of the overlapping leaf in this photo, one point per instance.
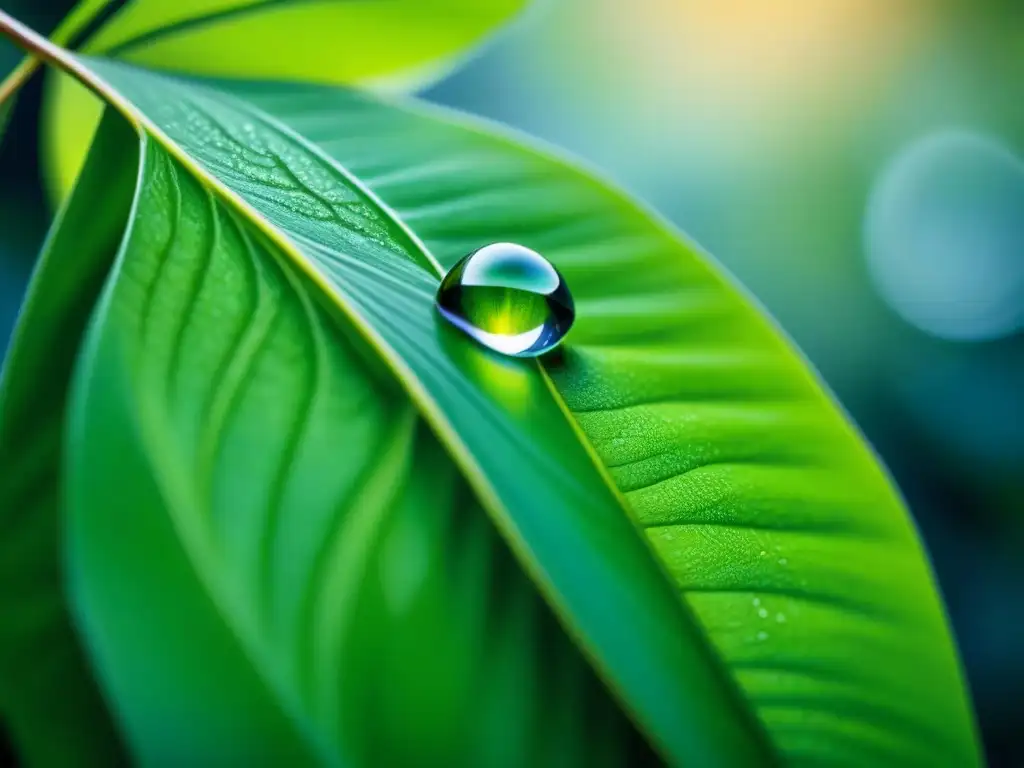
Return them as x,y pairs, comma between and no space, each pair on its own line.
389,43
326,41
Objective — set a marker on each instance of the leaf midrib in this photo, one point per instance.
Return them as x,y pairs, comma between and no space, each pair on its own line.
430,410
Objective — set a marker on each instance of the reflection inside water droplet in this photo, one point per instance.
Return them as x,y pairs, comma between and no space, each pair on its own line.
508,298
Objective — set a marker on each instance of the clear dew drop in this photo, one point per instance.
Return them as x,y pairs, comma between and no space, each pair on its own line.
508,298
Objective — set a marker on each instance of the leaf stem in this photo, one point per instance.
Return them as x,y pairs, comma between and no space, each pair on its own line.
40,50
74,23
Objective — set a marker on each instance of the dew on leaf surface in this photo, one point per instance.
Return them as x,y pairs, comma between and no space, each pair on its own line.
508,298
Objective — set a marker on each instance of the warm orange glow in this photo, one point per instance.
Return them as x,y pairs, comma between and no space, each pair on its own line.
755,59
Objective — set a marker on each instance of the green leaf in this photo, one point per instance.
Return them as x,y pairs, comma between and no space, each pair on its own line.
382,43
758,498
48,698
317,548
770,513
327,41
773,517
486,409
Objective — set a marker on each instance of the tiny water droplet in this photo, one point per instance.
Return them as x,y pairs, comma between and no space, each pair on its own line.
783,561
762,635
763,613
757,601
508,298
780,617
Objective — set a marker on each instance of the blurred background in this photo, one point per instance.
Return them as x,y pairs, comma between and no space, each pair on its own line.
859,166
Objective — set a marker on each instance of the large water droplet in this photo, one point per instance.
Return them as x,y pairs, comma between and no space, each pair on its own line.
508,298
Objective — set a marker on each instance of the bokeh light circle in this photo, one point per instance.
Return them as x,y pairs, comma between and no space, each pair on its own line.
944,236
